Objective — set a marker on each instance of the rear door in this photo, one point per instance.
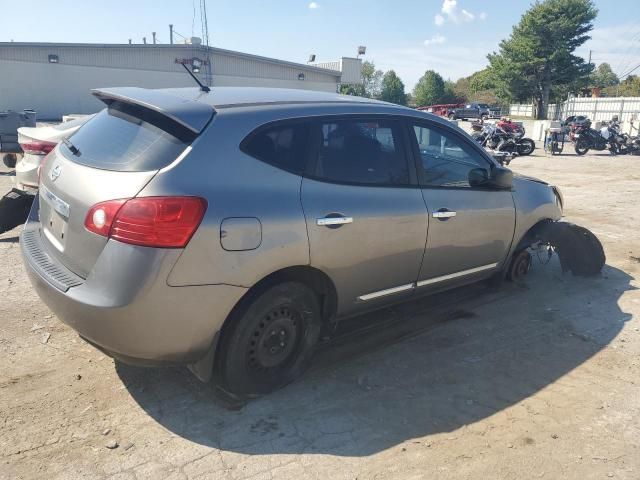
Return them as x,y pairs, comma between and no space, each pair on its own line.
366,218
470,228
113,156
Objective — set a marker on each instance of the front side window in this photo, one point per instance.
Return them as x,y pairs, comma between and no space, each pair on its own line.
283,146
361,152
445,160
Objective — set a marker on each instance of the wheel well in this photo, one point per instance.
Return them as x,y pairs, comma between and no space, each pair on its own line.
311,277
529,237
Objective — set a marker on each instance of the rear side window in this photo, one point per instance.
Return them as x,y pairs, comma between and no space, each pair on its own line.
361,152
283,146
116,139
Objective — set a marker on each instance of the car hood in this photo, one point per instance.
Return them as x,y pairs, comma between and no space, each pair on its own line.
529,179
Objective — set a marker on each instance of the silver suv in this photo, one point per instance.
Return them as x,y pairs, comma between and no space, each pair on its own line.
222,230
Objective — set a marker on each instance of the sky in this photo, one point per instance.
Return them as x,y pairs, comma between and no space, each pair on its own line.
452,37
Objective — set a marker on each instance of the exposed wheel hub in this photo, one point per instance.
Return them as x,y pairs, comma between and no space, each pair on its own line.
274,339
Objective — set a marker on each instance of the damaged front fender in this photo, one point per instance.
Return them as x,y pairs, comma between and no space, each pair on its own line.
578,249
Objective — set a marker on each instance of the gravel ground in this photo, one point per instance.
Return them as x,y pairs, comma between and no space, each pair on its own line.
535,380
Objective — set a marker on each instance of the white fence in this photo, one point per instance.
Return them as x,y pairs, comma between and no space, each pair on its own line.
597,109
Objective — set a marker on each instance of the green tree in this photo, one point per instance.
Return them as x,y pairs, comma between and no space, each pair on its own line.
429,90
371,83
393,89
630,86
603,76
539,53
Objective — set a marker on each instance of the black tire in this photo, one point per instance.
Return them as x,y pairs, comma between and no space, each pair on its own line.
484,117
582,146
270,342
10,160
526,146
519,266
579,250
451,116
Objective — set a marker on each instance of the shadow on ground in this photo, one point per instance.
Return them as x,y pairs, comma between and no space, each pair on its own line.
425,367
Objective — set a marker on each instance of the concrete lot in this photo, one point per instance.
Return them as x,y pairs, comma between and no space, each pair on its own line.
536,380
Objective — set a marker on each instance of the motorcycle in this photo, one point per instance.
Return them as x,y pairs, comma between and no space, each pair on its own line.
622,142
497,139
587,138
505,137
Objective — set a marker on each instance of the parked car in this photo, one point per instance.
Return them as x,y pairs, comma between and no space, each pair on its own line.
223,230
442,109
36,143
471,110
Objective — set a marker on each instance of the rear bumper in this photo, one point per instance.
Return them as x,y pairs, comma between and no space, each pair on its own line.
125,307
27,171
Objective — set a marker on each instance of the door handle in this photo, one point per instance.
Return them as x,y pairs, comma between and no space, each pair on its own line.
333,221
443,214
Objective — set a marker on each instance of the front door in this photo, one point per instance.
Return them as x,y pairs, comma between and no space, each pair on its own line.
470,228
366,217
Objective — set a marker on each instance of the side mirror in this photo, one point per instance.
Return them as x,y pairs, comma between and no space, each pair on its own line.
478,177
500,178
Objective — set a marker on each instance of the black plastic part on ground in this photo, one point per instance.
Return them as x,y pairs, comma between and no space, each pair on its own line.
579,250
14,209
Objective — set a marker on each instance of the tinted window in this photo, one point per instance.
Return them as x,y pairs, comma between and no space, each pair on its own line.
115,140
361,152
445,159
283,146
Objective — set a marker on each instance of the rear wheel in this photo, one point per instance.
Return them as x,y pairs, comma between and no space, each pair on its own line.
582,146
452,116
270,342
526,146
10,160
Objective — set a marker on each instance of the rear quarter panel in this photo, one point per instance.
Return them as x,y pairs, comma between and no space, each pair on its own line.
235,185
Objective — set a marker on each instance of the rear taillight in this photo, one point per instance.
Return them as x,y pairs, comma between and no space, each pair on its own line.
37,147
166,222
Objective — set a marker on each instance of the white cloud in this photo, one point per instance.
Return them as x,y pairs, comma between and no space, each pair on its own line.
451,12
436,40
313,6
439,20
482,16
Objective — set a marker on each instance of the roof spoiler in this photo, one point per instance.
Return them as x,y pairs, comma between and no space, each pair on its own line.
189,114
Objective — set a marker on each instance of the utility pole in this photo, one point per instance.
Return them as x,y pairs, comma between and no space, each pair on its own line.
171,33
154,37
144,40
590,52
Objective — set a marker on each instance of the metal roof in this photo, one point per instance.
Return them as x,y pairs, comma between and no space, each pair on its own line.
203,48
227,97
193,108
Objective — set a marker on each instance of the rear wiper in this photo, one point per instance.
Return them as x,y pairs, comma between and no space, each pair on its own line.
71,146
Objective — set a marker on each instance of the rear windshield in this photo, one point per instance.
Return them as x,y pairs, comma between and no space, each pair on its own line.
116,140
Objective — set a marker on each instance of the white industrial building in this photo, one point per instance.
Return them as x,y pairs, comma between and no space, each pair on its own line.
55,78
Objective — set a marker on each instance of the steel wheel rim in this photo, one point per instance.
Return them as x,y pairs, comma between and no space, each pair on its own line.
275,340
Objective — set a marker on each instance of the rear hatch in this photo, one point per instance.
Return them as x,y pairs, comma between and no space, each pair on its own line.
113,156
